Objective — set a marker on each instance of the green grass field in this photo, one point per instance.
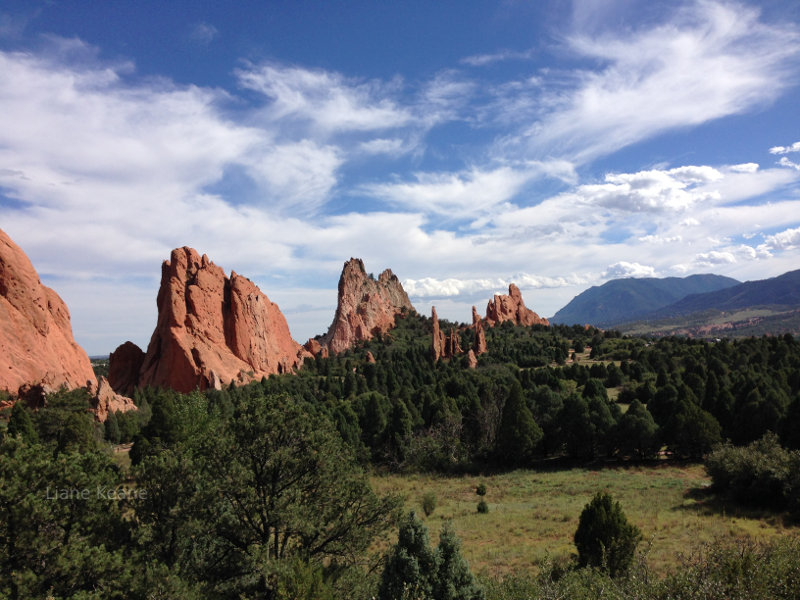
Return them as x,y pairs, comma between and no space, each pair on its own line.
533,514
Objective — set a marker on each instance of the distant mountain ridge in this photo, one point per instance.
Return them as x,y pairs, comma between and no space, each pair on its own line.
625,300
783,290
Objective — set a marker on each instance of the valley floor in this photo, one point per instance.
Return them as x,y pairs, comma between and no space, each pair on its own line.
534,514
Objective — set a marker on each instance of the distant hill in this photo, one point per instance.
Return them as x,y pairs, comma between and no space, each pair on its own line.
624,300
783,291
768,306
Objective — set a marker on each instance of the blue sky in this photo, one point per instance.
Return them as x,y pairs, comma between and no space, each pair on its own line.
465,145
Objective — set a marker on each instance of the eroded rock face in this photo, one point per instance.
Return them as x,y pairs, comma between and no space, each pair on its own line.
438,343
36,343
366,307
213,330
124,365
511,307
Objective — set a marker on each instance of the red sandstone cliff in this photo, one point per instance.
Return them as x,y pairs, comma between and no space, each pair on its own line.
36,343
511,308
366,307
212,330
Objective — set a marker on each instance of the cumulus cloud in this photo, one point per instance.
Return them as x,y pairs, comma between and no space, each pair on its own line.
713,258
660,239
430,287
652,191
784,240
624,269
785,149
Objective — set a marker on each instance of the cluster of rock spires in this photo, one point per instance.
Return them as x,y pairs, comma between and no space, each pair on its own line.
500,309
38,354
212,330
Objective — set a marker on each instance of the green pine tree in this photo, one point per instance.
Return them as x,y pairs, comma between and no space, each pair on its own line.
454,580
519,434
604,537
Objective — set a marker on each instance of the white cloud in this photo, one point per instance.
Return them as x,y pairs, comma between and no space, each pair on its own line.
715,258
389,146
203,33
660,239
744,168
711,60
328,100
652,191
430,287
785,149
456,194
785,162
482,60
784,240
300,175
624,269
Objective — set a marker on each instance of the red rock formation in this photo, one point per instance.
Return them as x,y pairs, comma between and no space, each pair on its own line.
365,307
124,365
479,346
444,346
36,343
106,401
438,345
453,344
213,329
369,358
511,308
314,347
472,361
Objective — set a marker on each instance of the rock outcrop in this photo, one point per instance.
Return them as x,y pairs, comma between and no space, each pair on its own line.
366,307
105,400
124,365
444,346
314,347
479,346
438,342
36,343
213,330
511,307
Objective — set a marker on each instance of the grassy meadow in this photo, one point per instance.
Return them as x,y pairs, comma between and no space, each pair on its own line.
534,514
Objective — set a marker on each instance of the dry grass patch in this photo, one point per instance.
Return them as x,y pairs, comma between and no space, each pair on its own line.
534,514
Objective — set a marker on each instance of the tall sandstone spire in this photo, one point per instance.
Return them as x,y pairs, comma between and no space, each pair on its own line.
365,308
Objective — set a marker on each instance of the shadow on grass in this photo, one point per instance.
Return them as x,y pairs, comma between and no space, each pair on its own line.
707,502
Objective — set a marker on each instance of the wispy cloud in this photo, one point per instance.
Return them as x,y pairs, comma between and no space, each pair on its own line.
203,33
482,60
327,100
712,60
